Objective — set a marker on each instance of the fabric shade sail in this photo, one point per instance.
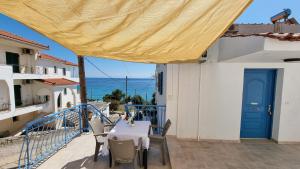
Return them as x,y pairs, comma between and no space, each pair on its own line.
149,31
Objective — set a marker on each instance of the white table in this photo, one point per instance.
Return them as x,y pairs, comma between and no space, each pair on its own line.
124,131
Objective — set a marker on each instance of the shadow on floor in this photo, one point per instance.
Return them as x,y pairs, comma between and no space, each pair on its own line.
154,162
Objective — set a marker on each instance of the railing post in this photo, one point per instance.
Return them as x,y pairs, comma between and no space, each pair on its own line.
27,150
65,129
80,119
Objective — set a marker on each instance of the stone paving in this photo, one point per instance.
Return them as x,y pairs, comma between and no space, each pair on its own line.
220,155
79,153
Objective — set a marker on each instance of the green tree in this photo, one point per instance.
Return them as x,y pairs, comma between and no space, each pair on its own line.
117,95
106,98
127,99
114,98
114,105
137,99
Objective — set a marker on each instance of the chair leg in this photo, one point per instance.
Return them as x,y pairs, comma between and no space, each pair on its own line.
135,164
163,153
110,159
139,158
96,151
167,149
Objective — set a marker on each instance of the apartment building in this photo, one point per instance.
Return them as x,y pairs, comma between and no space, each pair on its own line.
32,84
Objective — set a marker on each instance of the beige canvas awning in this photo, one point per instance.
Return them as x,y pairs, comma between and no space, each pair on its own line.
150,31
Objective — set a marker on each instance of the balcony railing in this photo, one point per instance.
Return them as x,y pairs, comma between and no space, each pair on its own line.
34,101
154,113
4,106
45,136
39,70
26,69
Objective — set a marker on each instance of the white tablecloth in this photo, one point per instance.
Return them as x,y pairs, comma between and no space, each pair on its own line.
124,131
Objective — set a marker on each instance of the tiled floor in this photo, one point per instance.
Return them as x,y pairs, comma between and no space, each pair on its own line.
246,155
79,154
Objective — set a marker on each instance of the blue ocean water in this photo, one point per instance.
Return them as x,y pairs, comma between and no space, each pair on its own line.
98,87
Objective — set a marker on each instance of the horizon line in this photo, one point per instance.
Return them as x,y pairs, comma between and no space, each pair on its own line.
122,77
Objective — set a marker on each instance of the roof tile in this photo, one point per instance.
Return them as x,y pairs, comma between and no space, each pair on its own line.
58,82
279,36
11,36
52,58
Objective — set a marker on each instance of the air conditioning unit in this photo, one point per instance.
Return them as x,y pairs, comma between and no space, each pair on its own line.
27,51
27,81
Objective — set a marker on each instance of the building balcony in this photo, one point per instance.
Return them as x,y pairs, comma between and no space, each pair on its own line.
41,72
30,105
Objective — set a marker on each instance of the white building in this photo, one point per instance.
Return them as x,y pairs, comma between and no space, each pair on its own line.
32,84
247,86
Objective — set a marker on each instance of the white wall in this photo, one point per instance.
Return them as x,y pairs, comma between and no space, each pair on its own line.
6,80
290,106
189,99
41,89
171,102
71,96
24,59
221,95
4,93
71,71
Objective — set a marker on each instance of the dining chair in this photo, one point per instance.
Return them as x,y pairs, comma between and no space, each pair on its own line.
124,151
98,128
161,139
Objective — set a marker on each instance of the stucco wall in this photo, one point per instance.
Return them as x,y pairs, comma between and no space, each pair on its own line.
70,70
17,126
25,59
71,96
7,90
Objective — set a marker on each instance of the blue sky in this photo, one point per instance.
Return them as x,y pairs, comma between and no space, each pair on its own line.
259,11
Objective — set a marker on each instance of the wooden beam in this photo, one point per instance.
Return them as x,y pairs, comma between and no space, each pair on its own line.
82,88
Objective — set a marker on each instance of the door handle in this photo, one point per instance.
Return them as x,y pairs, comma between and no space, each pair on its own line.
270,110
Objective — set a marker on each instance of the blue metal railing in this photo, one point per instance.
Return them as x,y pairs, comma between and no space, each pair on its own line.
46,135
154,113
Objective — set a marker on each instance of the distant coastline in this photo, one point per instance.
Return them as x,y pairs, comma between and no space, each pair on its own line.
97,87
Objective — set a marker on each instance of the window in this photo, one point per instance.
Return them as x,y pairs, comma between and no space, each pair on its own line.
15,118
160,83
65,91
13,60
45,71
55,69
59,101
47,98
64,71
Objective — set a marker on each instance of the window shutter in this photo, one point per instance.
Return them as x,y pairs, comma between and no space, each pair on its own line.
160,83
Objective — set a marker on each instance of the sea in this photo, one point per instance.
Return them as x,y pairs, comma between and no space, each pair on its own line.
98,87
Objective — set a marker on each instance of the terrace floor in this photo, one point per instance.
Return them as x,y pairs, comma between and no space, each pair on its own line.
263,154
183,155
79,154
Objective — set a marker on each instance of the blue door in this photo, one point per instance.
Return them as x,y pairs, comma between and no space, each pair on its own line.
257,108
